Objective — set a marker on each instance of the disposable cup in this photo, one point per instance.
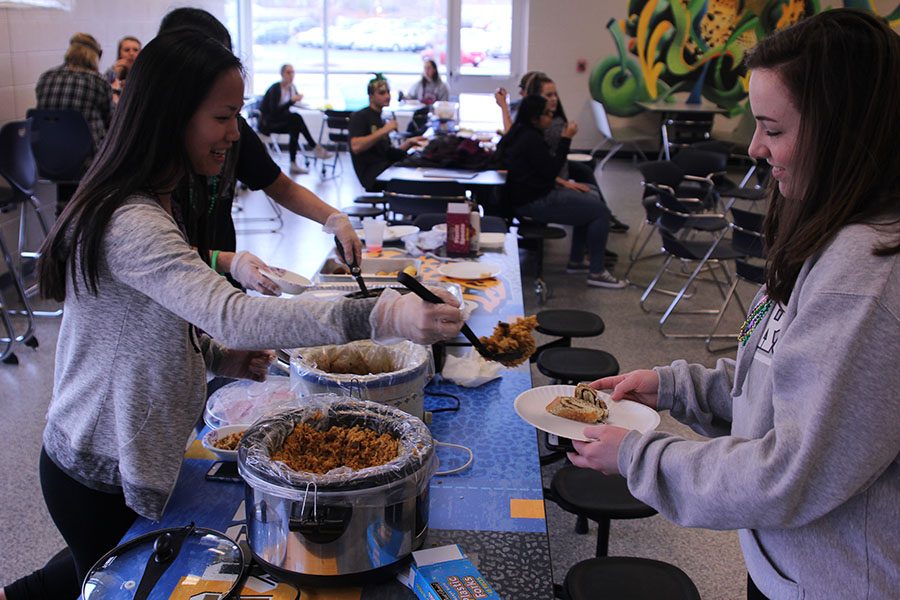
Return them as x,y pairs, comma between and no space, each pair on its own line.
373,231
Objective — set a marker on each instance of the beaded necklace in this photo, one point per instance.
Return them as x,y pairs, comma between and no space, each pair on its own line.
213,186
753,319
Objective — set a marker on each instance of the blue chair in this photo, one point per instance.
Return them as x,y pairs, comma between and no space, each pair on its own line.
62,143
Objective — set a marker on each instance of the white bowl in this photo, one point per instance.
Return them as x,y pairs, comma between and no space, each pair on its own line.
288,281
213,435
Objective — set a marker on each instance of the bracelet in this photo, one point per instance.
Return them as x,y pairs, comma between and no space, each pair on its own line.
214,259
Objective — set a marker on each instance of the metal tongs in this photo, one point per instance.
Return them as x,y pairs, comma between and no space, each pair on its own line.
354,267
506,358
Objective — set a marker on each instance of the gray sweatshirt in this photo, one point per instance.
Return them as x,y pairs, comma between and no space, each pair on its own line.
130,378
804,460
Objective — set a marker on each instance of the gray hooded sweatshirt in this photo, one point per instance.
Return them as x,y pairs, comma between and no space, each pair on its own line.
804,460
130,381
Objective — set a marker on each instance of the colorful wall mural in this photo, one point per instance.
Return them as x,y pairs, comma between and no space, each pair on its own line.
695,46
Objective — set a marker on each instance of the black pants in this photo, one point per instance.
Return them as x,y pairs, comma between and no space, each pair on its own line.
92,523
293,125
753,592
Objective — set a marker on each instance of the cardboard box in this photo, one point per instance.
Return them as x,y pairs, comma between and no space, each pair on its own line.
458,229
444,573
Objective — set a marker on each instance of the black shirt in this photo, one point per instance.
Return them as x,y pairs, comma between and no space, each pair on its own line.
532,168
369,164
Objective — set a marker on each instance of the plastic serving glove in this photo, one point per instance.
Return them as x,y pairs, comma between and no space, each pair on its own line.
399,317
245,270
339,225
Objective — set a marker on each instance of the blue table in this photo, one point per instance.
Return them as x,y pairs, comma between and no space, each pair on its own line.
494,509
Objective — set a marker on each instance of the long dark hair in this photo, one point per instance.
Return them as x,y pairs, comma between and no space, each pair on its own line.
437,76
534,87
145,147
841,68
195,19
530,109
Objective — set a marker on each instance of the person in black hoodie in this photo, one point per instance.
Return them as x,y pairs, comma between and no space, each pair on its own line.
533,193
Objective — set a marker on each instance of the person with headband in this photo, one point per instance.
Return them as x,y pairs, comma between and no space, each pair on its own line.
146,318
77,84
370,144
803,448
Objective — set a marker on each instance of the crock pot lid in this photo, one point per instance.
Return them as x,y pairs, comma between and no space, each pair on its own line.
204,555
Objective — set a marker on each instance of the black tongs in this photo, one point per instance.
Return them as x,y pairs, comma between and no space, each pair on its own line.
506,358
354,267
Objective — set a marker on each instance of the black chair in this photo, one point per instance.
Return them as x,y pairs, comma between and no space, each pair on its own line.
565,324
677,226
334,135
621,577
746,240
18,168
591,495
723,185
405,200
680,130
574,365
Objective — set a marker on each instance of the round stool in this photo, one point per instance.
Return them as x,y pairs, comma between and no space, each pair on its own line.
598,497
574,365
569,323
626,577
533,235
372,199
361,211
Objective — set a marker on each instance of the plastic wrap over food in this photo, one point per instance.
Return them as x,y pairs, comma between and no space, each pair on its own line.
394,374
243,402
408,473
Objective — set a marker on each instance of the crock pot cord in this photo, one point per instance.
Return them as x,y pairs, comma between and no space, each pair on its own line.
457,469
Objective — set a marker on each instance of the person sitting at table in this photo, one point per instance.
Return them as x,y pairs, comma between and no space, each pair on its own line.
574,175
532,191
804,458
370,144
508,108
249,162
128,49
429,88
130,376
77,84
275,116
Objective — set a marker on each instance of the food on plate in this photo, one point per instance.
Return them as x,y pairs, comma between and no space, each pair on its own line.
515,337
229,442
585,405
306,449
386,273
410,270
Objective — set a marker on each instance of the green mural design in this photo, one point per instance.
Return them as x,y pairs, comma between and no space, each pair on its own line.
668,46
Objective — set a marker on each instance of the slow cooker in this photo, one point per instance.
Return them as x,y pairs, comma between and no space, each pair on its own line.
343,527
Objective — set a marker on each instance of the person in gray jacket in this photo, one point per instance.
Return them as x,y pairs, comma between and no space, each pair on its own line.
804,455
146,318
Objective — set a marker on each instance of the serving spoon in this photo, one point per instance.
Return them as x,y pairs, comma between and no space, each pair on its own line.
509,359
354,268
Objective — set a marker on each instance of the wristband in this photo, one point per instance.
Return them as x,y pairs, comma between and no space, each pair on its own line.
214,259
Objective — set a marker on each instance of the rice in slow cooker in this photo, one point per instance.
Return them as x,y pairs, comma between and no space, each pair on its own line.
307,449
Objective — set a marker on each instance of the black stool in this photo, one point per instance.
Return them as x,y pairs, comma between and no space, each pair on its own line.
361,211
533,234
574,365
592,495
372,199
626,577
566,323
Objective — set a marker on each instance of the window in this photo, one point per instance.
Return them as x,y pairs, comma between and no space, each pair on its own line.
336,45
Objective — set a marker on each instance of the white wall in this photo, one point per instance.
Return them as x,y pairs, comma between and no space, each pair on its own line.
34,40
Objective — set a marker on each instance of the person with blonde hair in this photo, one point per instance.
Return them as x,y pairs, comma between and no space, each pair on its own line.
77,84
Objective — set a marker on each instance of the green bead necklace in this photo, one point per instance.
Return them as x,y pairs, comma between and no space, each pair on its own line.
753,319
213,187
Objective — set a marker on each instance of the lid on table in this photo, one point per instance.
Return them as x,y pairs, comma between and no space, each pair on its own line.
182,562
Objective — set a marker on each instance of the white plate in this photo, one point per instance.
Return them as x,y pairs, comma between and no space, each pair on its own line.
469,270
440,227
211,436
392,233
492,240
531,406
288,281
579,157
